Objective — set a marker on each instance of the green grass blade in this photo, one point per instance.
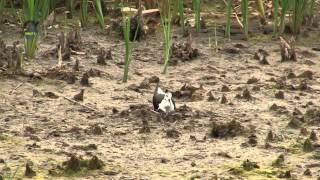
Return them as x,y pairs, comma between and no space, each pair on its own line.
261,11
197,9
275,16
245,17
181,14
128,51
99,13
284,9
84,12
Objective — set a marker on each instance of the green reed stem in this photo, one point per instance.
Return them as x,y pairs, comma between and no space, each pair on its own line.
245,17
99,13
228,25
275,16
128,49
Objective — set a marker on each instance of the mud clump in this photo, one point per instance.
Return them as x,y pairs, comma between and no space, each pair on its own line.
79,96
225,130
51,95
104,55
96,129
246,95
270,136
223,99
231,50
76,164
279,161
312,116
249,165
288,52
211,96
307,172
95,163
185,51
145,84
10,57
313,136
225,88
296,121
278,109
172,133
304,131
73,163
84,81
253,140
76,65
74,40
284,174
279,95
308,146
189,92
66,75
261,55
183,112
92,72
252,80
306,75
145,127
29,172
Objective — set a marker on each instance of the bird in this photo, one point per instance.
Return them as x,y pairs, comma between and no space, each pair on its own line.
163,100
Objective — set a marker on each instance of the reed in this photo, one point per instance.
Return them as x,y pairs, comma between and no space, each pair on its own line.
275,4
284,9
84,13
312,4
181,14
10,175
2,4
99,13
261,11
228,25
128,50
70,9
197,9
34,11
167,32
52,4
245,17
299,7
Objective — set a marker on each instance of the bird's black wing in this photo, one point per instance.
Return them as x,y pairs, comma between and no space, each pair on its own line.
156,100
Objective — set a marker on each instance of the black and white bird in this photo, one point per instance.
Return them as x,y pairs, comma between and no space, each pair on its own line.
163,101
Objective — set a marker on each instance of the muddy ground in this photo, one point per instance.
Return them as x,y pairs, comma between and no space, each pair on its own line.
236,118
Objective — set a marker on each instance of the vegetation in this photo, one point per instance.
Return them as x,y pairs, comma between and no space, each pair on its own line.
167,34
84,12
128,49
34,11
197,16
245,17
224,83
99,13
275,4
298,10
229,11
181,14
